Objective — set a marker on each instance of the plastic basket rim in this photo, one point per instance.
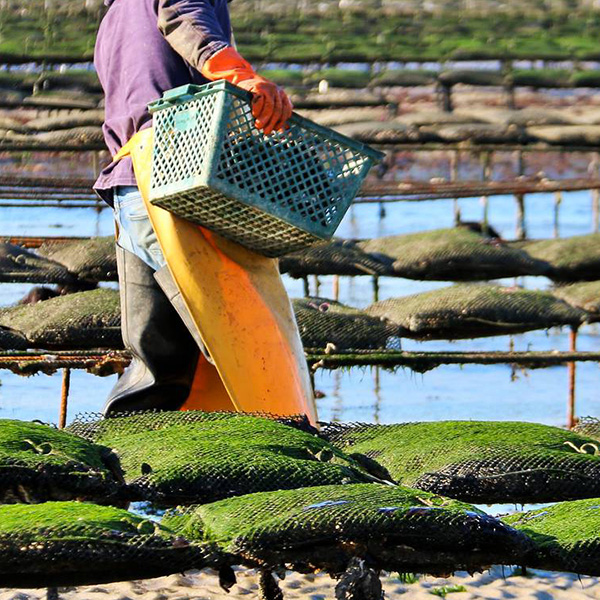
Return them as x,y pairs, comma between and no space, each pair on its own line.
185,93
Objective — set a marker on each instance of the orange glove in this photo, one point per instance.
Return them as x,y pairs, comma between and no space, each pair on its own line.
270,105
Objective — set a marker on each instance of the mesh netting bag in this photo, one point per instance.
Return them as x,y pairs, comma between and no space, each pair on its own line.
39,463
326,324
187,457
378,132
566,536
340,257
574,258
91,259
457,254
585,295
12,340
323,528
18,265
82,320
468,311
73,543
482,133
475,461
82,119
589,426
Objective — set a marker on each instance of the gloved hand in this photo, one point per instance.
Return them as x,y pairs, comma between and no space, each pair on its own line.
271,106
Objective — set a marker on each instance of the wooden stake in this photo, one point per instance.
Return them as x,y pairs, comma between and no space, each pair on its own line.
454,157
557,202
572,370
336,287
375,288
486,163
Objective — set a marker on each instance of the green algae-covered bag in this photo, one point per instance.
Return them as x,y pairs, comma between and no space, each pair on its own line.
585,295
339,257
326,324
40,463
82,320
72,543
457,254
575,258
566,536
470,310
323,528
18,265
476,461
189,457
91,259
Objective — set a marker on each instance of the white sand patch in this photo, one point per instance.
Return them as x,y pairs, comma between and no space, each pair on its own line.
496,584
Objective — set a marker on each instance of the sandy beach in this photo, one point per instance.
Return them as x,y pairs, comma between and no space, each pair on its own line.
495,584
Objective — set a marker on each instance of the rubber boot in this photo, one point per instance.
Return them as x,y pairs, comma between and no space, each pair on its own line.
164,353
169,287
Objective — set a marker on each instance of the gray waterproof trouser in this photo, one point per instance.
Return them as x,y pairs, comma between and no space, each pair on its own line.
164,352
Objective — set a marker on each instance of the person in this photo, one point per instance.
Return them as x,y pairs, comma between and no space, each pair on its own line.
143,48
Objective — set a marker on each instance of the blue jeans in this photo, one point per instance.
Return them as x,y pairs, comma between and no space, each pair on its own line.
136,234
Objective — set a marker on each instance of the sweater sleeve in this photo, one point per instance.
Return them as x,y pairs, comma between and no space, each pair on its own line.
192,29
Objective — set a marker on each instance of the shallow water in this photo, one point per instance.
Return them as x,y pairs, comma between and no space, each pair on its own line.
470,392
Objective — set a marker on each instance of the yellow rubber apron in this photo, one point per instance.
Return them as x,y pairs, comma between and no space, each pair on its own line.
240,307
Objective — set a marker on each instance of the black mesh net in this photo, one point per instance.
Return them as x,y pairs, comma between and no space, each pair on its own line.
470,310
323,528
18,265
82,320
92,320
331,326
40,463
72,543
12,340
340,257
91,259
566,536
574,258
475,461
589,426
585,295
458,254
187,457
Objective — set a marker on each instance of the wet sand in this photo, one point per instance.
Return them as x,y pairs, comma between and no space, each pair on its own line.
496,584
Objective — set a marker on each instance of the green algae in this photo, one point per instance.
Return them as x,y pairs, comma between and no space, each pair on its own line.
39,463
33,444
575,258
323,528
78,520
472,310
228,521
585,295
480,461
456,254
567,535
83,320
186,457
74,543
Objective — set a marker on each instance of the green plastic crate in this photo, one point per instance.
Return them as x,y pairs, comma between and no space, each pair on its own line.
273,194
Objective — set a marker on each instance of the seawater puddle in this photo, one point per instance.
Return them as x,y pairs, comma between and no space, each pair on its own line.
494,392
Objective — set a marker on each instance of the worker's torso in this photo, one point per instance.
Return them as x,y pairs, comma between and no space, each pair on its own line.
136,65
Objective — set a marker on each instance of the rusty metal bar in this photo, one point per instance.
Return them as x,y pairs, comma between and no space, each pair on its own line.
36,241
107,362
424,361
64,398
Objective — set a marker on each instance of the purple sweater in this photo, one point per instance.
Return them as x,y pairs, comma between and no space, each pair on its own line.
145,47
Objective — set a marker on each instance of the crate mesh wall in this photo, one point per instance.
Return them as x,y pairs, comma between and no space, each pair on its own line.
274,194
